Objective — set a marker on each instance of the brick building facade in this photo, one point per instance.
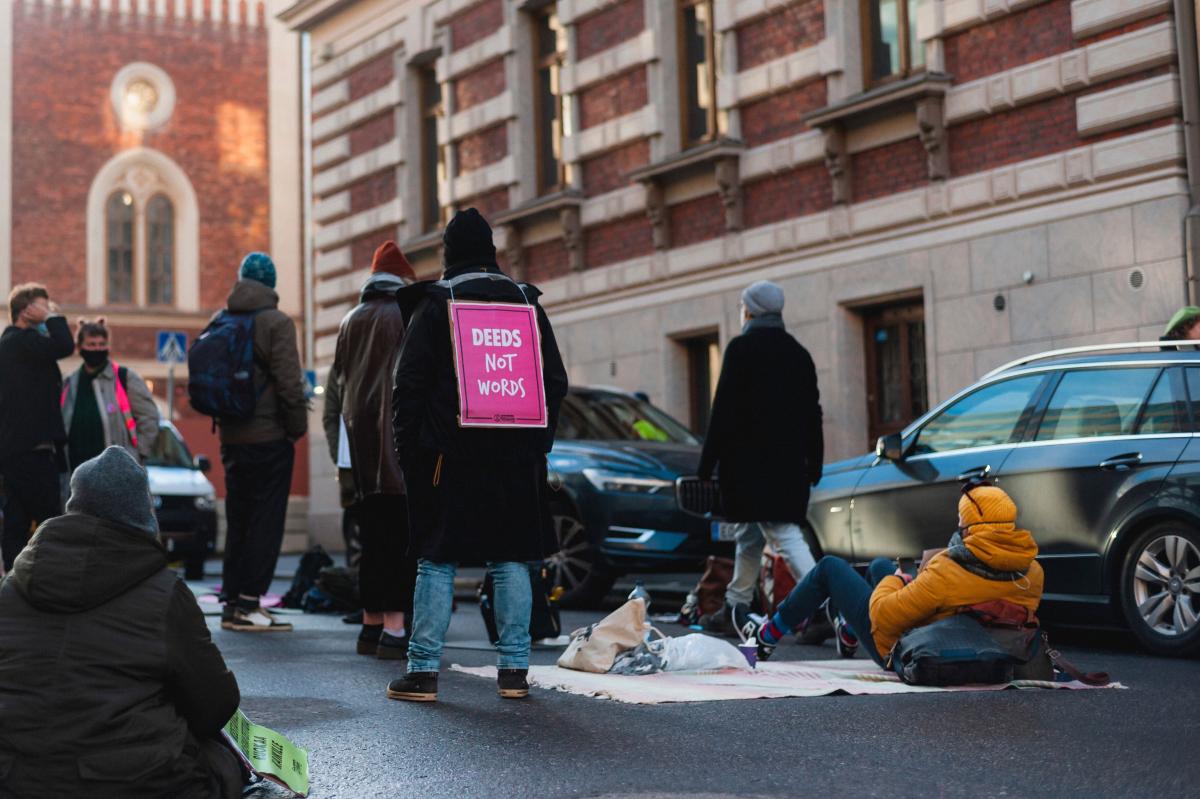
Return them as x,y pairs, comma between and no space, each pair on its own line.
137,167
939,185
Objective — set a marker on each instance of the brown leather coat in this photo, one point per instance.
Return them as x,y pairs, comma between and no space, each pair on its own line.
368,347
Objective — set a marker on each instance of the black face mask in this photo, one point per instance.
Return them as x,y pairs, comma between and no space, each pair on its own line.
94,358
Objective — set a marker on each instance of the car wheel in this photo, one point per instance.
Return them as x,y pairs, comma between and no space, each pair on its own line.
576,565
1160,589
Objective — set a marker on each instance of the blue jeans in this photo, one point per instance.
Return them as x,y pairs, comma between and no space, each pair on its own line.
434,598
836,580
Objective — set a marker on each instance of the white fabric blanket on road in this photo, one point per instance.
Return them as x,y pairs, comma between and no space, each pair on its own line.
768,681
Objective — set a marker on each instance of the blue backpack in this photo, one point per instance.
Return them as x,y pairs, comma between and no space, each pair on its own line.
221,368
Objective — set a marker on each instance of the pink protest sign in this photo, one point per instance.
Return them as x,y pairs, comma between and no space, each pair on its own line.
498,361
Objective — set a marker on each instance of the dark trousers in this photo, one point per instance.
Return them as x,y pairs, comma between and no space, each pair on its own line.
258,478
32,495
386,572
836,580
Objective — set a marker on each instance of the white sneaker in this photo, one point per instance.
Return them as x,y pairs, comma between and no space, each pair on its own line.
255,621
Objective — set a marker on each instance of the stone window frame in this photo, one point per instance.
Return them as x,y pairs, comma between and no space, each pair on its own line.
156,78
144,173
537,15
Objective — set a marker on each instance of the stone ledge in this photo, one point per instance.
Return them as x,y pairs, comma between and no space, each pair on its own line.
595,69
775,76
484,115
611,134
493,176
331,96
1089,17
377,102
1127,105
488,48
382,157
323,74
387,214
331,152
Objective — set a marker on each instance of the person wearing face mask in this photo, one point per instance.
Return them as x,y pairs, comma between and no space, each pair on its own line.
105,404
32,435
989,559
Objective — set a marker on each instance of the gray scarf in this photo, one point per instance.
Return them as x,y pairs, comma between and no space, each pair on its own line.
964,557
764,320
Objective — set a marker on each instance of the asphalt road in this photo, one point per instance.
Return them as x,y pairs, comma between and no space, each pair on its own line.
310,685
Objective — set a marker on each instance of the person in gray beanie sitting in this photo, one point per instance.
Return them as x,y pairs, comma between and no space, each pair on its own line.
764,435
109,682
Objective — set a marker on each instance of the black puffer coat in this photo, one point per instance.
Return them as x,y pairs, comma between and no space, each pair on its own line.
486,501
108,676
765,430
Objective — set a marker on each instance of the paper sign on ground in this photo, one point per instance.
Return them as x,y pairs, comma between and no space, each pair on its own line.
498,362
268,753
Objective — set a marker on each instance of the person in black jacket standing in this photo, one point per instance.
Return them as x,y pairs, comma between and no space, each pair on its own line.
765,435
473,493
32,436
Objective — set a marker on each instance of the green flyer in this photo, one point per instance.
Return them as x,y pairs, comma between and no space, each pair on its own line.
268,753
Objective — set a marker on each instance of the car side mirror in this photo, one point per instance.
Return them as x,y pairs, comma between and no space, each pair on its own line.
890,447
203,463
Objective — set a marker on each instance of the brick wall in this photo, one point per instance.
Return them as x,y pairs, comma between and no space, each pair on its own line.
1030,131
476,23
607,172
616,241
362,249
488,203
889,169
372,191
696,220
1121,30
1014,39
781,32
373,133
371,76
545,261
482,148
613,98
609,27
794,193
64,130
474,87
778,116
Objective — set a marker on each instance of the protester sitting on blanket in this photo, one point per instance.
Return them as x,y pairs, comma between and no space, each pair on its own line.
109,682
989,558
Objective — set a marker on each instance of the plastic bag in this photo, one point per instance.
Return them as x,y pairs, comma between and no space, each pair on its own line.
698,652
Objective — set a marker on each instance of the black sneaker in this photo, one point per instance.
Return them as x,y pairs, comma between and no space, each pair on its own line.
512,683
392,647
227,611
742,623
418,686
765,650
368,639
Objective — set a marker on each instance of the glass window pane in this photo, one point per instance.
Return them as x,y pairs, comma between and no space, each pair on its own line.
986,417
547,111
884,38
889,385
916,368
160,251
1093,403
695,72
1164,410
120,247
916,50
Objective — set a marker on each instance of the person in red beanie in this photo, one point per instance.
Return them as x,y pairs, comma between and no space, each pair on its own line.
368,346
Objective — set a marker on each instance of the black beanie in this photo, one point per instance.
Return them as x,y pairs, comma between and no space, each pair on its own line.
468,241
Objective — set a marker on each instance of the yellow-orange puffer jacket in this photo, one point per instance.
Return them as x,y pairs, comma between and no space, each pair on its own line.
944,586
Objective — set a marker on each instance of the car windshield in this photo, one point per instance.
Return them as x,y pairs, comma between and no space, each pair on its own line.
609,416
169,450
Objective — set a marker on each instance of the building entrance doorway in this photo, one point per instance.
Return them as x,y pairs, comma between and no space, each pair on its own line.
896,366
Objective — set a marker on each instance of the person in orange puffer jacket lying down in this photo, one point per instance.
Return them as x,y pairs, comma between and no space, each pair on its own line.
989,558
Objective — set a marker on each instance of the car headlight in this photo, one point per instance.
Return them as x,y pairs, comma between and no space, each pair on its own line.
614,482
207,502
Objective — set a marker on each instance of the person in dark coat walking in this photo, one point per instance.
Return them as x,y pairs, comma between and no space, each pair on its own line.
32,436
473,493
368,347
109,682
258,453
765,436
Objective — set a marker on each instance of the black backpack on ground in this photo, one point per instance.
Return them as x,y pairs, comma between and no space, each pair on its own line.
311,563
544,620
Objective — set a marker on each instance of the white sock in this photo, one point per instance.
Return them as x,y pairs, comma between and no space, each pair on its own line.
397,632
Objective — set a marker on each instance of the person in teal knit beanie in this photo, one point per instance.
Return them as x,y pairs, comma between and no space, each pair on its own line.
258,266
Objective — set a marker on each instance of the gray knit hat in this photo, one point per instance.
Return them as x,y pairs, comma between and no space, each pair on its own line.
763,297
115,487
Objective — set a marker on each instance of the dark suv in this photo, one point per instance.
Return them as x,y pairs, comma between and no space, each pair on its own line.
614,498
1099,448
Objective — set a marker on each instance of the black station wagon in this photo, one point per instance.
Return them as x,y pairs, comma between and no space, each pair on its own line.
1100,449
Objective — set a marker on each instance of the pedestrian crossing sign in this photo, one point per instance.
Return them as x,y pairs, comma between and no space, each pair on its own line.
171,347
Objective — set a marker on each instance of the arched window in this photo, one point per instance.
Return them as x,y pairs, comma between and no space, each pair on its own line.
160,251
119,218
